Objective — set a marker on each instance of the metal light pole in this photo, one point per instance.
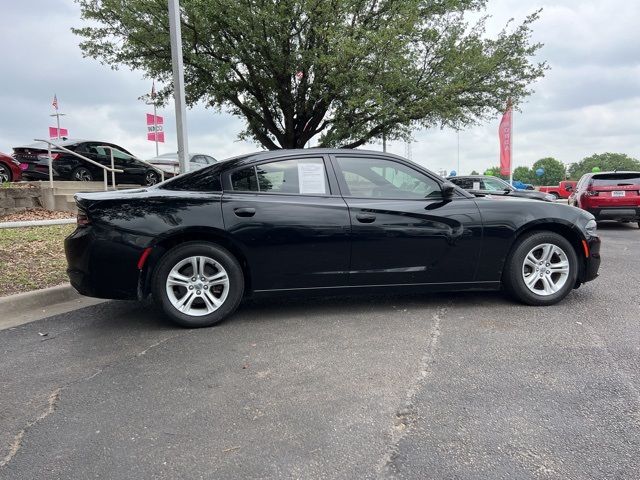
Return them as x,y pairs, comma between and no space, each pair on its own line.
178,84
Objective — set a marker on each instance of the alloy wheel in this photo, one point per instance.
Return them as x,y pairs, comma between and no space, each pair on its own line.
151,178
545,269
197,286
83,175
4,174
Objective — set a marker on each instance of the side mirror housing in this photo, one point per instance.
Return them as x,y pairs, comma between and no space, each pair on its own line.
448,189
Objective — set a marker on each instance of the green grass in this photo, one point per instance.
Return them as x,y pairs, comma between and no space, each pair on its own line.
32,258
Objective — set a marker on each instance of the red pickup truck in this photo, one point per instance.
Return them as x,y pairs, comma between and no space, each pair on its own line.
562,190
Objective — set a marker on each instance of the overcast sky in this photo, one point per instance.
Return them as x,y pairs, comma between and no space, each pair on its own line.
589,102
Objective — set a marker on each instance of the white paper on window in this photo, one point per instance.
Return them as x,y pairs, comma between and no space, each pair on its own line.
311,177
476,186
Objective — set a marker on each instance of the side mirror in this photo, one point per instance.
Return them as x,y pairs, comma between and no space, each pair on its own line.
448,189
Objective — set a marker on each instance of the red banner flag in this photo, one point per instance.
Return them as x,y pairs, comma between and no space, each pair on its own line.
154,129
504,133
53,132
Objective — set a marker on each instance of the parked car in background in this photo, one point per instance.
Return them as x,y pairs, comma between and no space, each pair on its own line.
169,164
34,161
562,190
609,196
322,220
9,169
517,184
489,185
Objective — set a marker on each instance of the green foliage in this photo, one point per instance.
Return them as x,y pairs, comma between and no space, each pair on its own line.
606,162
368,66
523,174
495,172
554,171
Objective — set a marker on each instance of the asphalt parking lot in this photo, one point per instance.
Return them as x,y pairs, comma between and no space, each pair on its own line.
443,386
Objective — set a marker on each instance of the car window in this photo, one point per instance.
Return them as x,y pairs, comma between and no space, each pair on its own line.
303,176
199,159
493,185
373,177
210,160
616,180
465,183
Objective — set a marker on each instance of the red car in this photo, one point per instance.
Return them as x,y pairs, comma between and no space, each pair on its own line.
9,169
609,196
562,190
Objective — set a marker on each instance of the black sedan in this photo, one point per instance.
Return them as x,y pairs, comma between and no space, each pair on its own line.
490,185
320,221
66,166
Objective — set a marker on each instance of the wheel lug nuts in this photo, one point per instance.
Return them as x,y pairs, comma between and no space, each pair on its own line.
197,292
193,279
190,287
206,287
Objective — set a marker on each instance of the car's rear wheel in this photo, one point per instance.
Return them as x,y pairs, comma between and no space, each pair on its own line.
198,284
554,195
81,174
5,173
542,269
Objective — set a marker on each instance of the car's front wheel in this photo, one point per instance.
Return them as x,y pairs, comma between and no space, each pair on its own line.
151,178
542,269
198,284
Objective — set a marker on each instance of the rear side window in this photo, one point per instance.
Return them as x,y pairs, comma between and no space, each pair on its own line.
465,183
616,180
305,176
204,180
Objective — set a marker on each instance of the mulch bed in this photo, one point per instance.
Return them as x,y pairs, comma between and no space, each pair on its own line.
36,214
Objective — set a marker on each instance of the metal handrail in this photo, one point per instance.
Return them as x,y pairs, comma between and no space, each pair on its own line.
104,168
111,149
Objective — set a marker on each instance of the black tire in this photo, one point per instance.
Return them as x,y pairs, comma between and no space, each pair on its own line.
151,178
554,195
638,224
203,249
81,174
5,174
513,277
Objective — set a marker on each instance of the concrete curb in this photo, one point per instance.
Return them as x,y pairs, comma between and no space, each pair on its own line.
21,303
37,223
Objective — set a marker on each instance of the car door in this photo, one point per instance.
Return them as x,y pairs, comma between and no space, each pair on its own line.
403,230
133,170
291,222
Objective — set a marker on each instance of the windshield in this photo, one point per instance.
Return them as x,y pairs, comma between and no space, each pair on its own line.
616,179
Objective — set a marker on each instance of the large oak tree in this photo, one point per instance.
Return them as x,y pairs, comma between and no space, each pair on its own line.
347,71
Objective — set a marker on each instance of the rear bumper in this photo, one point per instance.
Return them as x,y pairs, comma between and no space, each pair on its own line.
615,213
592,262
103,265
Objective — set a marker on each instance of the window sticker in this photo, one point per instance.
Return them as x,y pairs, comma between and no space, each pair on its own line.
312,178
476,186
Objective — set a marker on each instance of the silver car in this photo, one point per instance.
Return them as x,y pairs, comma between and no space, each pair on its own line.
169,164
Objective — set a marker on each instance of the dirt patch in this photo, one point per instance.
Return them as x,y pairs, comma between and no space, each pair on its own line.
32,258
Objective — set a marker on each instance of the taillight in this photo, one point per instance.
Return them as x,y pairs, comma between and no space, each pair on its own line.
82,218
45,156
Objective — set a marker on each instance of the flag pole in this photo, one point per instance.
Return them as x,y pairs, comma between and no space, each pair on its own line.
511,147
155,126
